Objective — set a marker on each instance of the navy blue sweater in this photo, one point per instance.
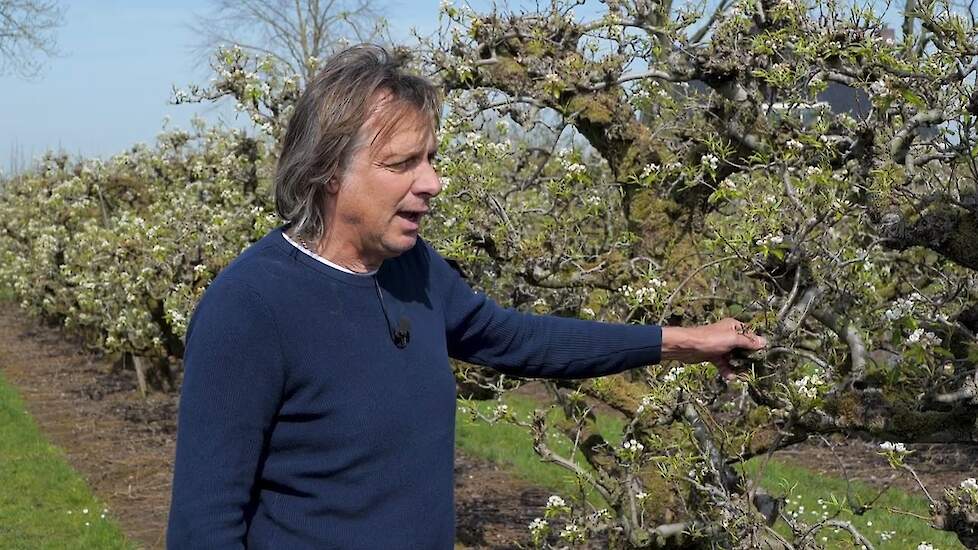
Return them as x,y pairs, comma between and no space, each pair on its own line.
302,425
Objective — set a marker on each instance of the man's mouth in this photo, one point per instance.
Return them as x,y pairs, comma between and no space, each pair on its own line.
413,217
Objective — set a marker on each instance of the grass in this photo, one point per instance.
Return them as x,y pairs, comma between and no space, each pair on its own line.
512,447
887,525
807,492
44,503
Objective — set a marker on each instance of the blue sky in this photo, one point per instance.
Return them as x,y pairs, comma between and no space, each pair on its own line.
120,59
109,88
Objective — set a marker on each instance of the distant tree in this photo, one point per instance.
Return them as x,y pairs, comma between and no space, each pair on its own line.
26,30
293,32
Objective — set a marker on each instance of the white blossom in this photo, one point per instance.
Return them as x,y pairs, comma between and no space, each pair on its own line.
649,170
809,385
710,160
673,375
894,447
770,240
555,501
647,402
902,307
640,93
925,338
878,88
644,295
970,484
633,445
572,532
576,168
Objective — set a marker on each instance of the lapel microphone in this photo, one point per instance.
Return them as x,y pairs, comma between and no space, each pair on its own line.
402,335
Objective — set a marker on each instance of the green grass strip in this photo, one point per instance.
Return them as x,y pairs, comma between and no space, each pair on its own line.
810,494
512,447
887,525
44,503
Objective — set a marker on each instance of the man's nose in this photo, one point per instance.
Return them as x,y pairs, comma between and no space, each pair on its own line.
427,182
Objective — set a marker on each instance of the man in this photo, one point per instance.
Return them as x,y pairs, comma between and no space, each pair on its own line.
318,402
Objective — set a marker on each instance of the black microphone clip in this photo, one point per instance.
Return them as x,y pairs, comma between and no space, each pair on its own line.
403,333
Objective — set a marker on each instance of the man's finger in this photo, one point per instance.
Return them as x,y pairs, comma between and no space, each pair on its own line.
752,341
723,366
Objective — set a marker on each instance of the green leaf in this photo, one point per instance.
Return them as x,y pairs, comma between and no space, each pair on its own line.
913,99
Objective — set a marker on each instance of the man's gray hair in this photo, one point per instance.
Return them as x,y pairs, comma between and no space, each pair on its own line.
329,118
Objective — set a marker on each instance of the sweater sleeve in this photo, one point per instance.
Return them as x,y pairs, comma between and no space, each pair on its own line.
234,375
480,331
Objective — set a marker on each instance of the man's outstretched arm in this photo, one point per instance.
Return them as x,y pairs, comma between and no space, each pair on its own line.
714,343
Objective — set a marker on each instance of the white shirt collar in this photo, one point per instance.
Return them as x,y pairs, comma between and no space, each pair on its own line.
319,258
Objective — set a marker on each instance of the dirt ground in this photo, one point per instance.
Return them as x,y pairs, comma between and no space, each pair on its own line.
937,465
123,444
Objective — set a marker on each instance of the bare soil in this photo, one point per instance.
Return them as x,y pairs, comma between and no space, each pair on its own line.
123,445
937,465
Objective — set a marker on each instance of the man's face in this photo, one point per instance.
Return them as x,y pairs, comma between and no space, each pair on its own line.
383,194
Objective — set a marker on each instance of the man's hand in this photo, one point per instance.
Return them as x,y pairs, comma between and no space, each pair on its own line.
713,343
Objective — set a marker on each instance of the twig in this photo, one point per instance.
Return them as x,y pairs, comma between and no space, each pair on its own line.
920,483
856,535
675,292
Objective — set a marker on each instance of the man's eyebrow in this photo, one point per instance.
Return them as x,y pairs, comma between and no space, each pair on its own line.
410,153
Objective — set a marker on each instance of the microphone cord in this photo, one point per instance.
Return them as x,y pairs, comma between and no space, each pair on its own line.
400,336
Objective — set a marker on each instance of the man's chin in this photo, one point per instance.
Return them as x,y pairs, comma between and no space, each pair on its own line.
400,245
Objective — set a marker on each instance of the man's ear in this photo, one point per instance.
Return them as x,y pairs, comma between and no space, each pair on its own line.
333,185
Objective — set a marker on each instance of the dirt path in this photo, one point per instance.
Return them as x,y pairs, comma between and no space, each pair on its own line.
937,465
123,445
90,414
